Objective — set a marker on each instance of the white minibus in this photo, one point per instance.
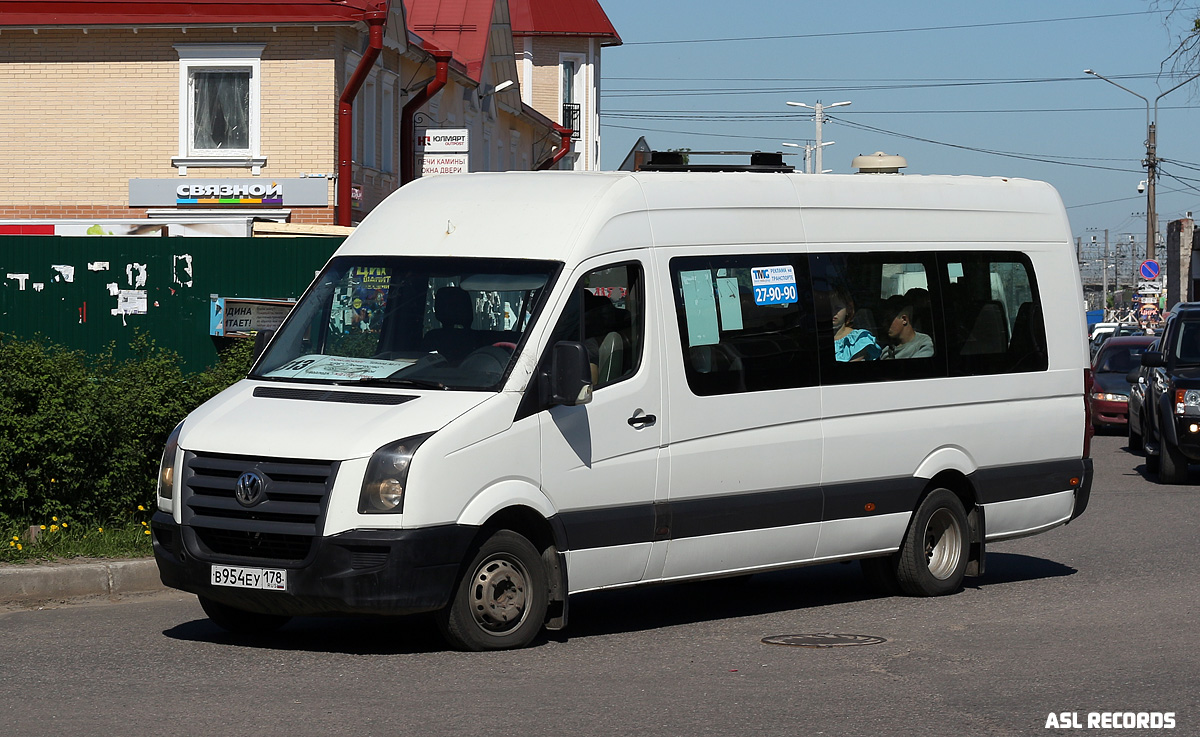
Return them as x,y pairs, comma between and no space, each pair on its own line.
507,388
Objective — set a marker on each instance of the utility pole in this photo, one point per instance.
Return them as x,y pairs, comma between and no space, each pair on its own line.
1151,162
818,118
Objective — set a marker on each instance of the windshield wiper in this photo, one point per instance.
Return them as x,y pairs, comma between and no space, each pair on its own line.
385,381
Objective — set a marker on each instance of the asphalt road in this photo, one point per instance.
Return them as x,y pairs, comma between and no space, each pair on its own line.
1095,617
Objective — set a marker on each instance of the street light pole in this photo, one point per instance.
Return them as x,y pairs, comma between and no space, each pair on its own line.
808,150
818,118
1151,162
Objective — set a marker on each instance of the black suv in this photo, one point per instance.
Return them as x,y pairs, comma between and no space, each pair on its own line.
1169,386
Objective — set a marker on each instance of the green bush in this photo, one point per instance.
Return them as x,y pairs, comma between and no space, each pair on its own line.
82,436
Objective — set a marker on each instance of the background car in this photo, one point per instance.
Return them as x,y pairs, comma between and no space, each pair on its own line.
1138,379
1104,331
1109,393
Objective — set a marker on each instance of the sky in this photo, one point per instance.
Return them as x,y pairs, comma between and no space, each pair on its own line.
992,89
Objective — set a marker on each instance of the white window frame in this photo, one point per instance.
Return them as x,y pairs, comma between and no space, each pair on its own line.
390,89
583,95
370,119
209,57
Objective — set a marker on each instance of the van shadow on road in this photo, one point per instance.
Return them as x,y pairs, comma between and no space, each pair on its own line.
603,613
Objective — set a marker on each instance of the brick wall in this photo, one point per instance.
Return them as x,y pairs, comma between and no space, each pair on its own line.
81,114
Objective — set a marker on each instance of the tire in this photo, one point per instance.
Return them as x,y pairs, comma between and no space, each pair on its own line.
240,621
500,602
1136,445
933,558
880,574
1173,465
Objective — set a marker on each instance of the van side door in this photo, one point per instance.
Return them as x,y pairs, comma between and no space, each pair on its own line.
600,460
745,434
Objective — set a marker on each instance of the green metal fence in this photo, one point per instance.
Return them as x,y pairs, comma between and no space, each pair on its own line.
86,293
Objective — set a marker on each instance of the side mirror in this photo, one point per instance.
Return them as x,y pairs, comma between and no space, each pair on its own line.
1153,358
261,339
1132,376
570,374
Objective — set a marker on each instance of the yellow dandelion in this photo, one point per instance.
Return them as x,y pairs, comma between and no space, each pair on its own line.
141,508
43,527
144,524
147,532
54,519
12,544
54,528
20,546
16,539
101,529
64,525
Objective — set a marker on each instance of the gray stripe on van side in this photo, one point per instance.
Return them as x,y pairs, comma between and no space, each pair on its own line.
686,518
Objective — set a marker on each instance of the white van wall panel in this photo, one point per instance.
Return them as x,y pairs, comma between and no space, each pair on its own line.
845,537
739,551
469,456
934,209
1026,516
605,567
871,434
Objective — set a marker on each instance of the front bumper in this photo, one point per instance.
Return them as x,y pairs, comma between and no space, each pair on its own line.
1187,439
357,572
1106,413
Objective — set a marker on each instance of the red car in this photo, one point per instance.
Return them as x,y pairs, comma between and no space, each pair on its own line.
1109,393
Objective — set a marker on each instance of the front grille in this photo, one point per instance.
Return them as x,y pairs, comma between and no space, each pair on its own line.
281,527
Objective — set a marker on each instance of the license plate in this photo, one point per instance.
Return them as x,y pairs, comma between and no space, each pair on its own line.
271,579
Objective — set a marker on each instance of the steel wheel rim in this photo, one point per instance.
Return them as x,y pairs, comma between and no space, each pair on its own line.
499,592
943,544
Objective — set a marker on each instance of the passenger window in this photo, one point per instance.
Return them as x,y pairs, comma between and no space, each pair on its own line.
993,315
745,323
606,313
877,316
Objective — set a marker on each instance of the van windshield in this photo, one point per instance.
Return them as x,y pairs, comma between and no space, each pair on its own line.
444,323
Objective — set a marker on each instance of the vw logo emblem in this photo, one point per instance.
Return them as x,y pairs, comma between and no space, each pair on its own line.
249,489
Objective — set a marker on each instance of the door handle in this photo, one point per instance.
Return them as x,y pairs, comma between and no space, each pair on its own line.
640,421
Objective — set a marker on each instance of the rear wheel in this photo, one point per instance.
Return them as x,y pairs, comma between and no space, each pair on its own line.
933,558
1173,465
241,621
500,602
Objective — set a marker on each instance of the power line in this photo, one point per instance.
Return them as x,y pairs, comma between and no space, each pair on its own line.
875,32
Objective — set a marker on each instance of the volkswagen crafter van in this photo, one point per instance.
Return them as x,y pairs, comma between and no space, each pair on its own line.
507,388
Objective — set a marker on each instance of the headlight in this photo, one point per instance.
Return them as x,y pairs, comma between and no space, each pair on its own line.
387,476
1106,397
166,470
1187,401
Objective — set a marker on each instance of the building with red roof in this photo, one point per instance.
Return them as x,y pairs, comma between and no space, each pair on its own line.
558,51
306,111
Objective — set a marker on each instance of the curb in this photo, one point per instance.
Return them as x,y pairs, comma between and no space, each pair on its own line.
22,584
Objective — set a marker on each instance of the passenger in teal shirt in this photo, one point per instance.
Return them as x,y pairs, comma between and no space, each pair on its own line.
849,343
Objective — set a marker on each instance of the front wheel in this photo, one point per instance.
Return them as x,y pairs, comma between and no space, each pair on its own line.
933,558
1173,464
500,602
240,621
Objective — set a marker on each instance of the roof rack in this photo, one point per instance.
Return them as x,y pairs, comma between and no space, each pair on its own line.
678,161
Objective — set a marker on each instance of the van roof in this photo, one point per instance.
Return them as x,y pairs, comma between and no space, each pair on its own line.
542,215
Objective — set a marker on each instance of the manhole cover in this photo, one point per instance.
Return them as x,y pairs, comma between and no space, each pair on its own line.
823,639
